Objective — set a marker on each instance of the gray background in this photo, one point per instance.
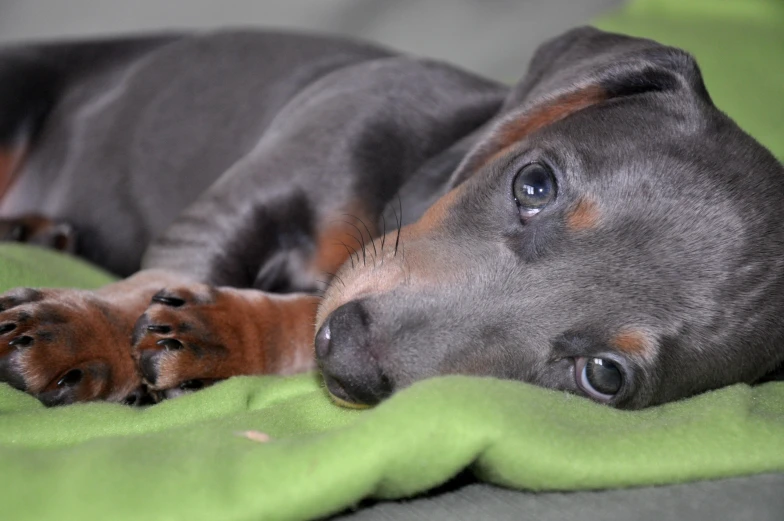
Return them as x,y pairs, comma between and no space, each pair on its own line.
493,37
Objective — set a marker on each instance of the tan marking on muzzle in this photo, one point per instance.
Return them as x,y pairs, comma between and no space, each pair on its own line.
435,216
584,215
356,282
385,273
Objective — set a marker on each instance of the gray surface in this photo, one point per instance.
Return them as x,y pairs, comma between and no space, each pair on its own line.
493,37
755,498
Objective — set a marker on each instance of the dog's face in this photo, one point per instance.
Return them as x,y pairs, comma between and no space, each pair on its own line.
613,235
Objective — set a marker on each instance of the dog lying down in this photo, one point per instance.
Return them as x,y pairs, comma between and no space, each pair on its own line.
279,202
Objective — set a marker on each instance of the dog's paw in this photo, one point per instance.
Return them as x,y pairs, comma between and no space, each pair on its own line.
65,346
195,335
190,337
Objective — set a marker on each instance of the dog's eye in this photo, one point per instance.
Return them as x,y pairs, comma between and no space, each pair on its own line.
534,188
599,378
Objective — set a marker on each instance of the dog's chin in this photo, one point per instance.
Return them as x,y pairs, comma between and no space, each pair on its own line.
339,396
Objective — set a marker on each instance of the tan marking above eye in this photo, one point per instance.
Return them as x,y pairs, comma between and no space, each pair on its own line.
584,215
632,342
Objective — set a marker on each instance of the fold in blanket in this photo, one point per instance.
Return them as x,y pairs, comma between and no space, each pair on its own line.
277,448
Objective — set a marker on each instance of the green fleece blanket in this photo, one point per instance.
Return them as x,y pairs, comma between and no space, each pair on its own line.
276,448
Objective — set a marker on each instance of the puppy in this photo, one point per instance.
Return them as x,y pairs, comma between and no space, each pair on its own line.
600,228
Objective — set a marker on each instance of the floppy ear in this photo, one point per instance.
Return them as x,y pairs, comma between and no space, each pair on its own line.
577,70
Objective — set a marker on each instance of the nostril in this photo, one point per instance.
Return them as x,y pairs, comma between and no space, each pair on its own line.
346,328
323,340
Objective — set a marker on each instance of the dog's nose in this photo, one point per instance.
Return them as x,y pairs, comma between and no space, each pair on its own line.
324,339
345,353
346,327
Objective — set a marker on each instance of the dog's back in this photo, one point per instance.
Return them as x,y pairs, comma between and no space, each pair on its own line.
117,137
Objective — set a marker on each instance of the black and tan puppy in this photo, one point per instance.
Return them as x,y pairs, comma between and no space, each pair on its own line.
600,228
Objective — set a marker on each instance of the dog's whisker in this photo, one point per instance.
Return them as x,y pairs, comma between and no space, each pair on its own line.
334,276
370,235
350,256
320,292
383,233
352,249
364,259
359,244
397,221
399,224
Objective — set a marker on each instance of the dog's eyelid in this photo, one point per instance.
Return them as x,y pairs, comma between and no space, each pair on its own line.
575,344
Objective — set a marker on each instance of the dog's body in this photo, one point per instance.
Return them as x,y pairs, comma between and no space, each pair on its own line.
599,228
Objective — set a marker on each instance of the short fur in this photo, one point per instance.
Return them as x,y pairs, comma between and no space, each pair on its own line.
297,164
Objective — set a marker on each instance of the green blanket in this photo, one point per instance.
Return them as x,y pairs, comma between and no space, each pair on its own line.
277,448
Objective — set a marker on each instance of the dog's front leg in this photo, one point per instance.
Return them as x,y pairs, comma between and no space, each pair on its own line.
135,342
194,334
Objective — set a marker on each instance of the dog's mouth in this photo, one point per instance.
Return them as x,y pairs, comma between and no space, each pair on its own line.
339,396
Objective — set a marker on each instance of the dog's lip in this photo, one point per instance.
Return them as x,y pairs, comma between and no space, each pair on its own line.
339,395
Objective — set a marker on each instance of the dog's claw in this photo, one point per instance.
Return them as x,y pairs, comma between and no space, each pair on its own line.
192,385
71,378
170,344
21,341
7,328
168,300
156,328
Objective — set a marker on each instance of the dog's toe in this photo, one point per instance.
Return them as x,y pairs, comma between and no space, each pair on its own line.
171,342
61,346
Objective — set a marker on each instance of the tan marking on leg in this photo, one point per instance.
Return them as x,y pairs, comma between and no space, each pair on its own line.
235,332
294,352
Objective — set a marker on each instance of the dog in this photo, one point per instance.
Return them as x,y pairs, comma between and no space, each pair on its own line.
281,202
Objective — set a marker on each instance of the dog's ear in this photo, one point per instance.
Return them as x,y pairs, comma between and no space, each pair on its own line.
577,70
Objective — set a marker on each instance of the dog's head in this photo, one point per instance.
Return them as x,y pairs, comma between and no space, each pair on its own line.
613,234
